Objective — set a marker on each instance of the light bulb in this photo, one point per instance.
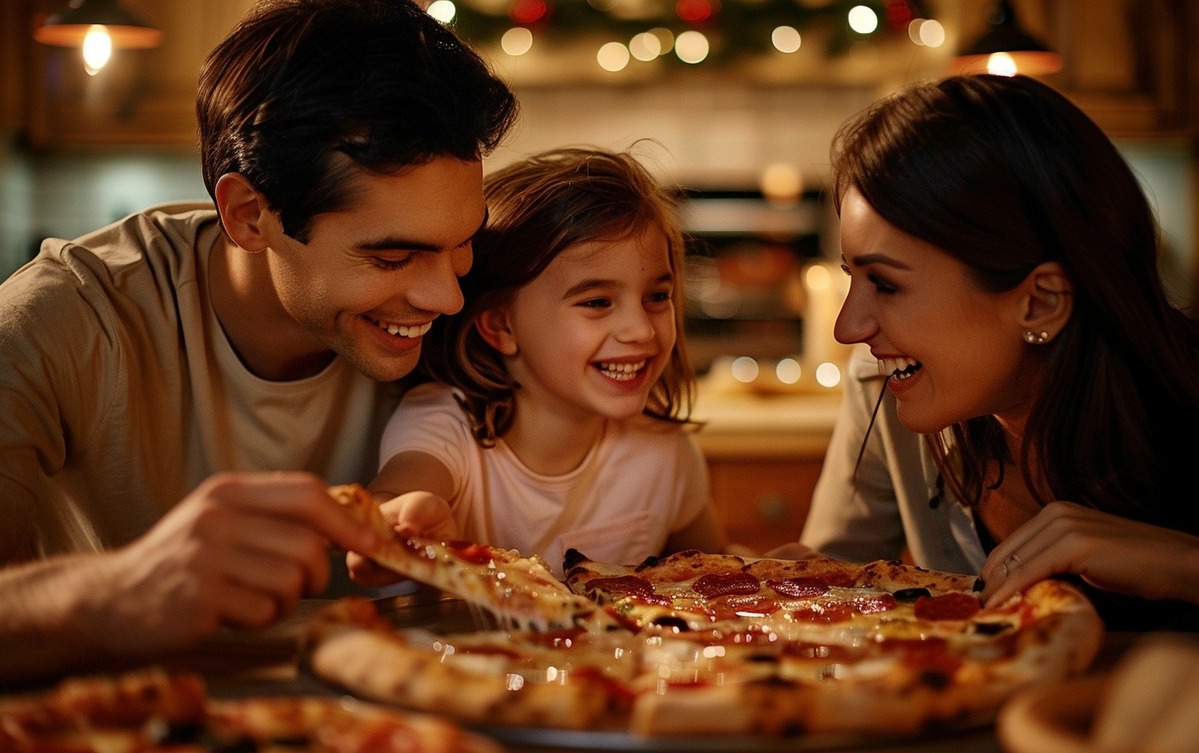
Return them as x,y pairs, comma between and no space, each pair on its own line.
97,49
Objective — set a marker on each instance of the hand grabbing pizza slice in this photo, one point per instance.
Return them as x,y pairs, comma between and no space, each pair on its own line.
517,590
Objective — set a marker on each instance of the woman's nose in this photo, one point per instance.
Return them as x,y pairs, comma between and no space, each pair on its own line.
855,323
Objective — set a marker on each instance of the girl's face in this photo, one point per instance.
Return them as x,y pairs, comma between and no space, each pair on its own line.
956,349
592,333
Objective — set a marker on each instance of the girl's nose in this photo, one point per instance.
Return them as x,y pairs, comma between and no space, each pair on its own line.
635,326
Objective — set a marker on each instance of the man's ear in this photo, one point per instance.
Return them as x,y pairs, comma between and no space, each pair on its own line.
1047,301
244,212
495,327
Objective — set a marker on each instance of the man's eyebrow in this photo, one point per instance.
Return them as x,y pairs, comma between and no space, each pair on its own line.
400,243
883,259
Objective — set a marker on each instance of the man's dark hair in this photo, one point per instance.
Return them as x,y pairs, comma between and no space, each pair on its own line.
303,94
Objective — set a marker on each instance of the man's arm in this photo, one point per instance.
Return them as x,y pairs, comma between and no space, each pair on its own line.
239,551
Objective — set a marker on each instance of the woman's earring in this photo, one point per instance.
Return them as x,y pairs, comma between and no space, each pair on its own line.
1036,338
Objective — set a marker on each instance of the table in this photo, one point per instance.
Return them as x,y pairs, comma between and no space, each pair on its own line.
260,662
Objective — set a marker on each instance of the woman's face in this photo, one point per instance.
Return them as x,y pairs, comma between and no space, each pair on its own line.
955,350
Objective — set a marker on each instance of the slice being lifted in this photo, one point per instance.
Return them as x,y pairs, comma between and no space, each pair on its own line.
517,590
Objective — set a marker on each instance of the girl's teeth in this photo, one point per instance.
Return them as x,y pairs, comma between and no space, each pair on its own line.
621,371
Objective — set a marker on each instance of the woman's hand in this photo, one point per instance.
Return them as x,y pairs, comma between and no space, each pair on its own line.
1108,551
792,551
412,514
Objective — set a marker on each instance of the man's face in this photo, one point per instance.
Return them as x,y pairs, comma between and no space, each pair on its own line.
374,274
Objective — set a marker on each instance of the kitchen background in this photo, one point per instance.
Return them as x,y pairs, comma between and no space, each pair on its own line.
743,126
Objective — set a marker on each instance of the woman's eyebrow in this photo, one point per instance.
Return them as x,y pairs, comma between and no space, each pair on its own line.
883,259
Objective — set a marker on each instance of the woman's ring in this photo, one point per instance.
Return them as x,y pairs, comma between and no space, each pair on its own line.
1010,564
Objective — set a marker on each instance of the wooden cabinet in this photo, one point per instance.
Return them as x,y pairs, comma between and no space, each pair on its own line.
763,503
764,456
1132,65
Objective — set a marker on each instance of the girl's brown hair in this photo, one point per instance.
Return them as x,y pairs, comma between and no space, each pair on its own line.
538,208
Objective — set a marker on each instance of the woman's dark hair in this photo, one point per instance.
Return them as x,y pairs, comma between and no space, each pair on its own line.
1004,173
304,92
538,208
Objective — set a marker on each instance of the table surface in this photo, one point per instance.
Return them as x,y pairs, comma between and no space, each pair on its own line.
264,662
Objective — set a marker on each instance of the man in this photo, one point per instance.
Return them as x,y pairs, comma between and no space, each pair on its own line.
177,389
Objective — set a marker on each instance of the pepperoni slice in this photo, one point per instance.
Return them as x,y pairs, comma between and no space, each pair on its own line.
723,584
799,588
952,606
476,554
824,613
744,605
621,585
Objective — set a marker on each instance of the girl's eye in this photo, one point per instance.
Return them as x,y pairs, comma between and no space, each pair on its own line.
845,269
595,303
390,265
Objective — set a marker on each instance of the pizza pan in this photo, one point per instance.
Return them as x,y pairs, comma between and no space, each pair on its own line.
431,610
978,739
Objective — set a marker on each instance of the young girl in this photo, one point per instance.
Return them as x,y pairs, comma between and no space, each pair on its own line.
554,408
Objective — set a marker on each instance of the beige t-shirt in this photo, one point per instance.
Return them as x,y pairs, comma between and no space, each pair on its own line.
119,392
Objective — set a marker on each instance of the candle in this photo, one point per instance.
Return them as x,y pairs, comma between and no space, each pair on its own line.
825,286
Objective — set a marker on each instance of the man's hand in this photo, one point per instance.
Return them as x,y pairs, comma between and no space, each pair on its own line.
239,551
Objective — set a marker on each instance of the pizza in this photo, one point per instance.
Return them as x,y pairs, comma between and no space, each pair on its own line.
696,644
518,590
152,710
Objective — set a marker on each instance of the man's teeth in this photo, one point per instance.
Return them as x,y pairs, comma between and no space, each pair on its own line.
401,330
898,368
621,371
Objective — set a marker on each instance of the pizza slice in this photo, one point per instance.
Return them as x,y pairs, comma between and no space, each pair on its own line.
155,711
519,591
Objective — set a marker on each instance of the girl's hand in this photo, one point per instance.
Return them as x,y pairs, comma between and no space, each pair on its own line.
1108,551
412,514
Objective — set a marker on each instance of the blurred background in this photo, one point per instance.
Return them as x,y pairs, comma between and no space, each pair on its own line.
733,101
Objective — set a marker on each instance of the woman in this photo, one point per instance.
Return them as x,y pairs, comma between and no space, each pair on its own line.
1003,265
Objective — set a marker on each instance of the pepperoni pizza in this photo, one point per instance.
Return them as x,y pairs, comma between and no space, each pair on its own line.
698,644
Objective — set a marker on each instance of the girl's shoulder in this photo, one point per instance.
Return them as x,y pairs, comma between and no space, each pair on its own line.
429,399
652,437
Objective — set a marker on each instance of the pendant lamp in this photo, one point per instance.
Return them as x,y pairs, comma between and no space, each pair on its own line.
69,27
1006,48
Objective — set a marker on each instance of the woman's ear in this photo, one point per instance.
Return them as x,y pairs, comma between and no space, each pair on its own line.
244,212
495,327
1048,302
